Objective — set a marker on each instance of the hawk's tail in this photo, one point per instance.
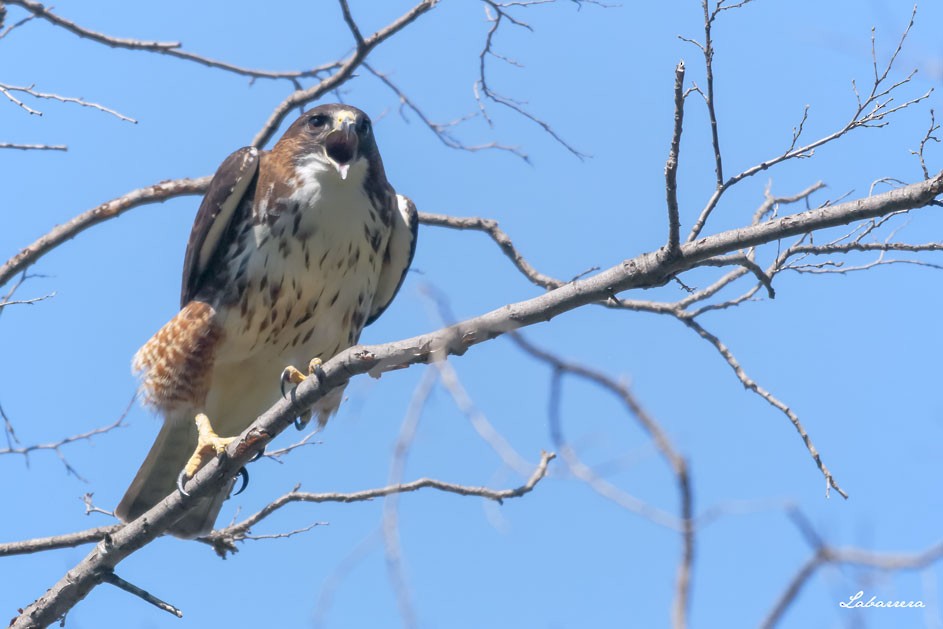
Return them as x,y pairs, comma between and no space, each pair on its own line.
174,363
157,479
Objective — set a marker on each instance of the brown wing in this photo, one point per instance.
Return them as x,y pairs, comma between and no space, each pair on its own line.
224,195
398,256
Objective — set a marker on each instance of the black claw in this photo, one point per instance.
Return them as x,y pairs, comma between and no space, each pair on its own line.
181,481
244,475
283,380
258,455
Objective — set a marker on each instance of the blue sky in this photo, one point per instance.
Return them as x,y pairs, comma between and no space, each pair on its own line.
857,355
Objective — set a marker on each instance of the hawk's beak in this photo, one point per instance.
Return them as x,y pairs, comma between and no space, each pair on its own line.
342,143
348,127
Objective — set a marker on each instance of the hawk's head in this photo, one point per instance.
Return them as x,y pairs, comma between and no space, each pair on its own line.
340,136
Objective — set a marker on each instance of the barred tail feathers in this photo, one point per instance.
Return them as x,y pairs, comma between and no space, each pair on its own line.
175,365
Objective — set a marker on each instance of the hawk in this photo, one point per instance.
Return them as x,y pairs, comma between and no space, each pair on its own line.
293,251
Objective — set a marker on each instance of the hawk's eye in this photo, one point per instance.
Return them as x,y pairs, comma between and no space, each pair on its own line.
364,127
317,121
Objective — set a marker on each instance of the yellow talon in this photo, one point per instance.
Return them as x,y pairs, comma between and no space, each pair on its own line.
209,444
294,376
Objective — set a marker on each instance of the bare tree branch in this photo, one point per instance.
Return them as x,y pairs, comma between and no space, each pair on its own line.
870,112
389,524
7,89
441,130
448,377
223,540
482,88
113,579
69,540
276,455
286,534
164,48
13,26
679,466
750,384
802,576
156,193
341,73
8,298
351,24
929,137
501,446
748,264
57,446
825,555
8,429
34,147
491,228
671,166
707,49
90,507
26,302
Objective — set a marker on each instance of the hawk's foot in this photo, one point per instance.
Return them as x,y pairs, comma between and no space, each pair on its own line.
292,375
209,444
295,377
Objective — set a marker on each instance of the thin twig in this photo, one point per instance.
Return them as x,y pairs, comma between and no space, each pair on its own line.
57,446
351,24
90,507
286,534
6,89
671,166
8,429
276,455
34,147
748,264
130,588
13,26
482,87
928,137
708,51
751,385
442,130
26,302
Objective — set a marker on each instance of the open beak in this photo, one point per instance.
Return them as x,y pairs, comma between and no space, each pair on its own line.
342,144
